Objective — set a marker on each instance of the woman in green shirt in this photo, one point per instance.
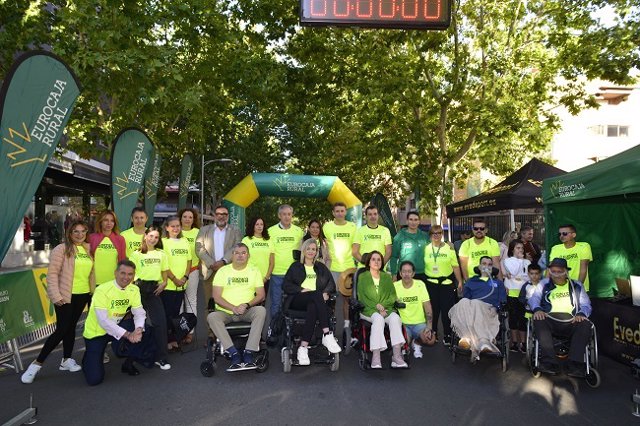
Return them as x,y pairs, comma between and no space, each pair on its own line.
190,222
378,295
152,265
261,254
107,246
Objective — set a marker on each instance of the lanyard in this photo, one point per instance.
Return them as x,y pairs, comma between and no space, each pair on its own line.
436,253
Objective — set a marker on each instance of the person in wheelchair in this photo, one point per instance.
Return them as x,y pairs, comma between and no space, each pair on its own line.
475,317
417,315
378,296
562,308
238,290
308,285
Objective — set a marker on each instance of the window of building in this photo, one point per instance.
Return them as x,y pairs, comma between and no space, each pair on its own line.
611,130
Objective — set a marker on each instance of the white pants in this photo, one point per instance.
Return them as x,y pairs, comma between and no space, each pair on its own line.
191,293
376,339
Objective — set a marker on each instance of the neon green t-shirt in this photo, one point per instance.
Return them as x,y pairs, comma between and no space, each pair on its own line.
581,251
115,300
310,281
284,242
560,300
259,252
413,297
191,235
238,286
82,272
339,240
133,241
371,239
150,265
180,252
471,250
106,260
439,261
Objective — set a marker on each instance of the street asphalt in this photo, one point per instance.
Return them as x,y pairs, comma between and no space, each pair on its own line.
433,391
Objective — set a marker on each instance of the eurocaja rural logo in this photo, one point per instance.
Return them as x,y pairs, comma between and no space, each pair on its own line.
129,183
46,130
561,189
284,183
184,183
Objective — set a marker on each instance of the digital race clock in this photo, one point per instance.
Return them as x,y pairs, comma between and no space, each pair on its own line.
401,14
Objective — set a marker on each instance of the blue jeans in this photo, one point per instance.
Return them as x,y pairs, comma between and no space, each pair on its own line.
275,287
92,363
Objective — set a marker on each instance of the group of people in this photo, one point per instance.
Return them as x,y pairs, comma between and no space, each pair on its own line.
291,267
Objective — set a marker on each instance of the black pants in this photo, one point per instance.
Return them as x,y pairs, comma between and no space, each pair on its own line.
172,301
579,333
314,304
156,315
443,297
67,317
517,320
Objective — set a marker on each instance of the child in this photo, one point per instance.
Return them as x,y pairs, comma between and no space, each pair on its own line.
515,275
530,288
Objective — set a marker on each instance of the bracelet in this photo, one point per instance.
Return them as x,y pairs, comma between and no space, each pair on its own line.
186,276
248,305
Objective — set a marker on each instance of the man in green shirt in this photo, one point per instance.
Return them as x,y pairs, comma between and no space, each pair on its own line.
473,249
408,245
286,238
238,290
134,235
372,237
577,254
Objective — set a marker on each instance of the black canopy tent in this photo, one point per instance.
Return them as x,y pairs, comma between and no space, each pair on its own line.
521,190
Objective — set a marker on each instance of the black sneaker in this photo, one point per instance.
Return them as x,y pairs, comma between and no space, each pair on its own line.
236,362
523,348
129,368
247,359
446,340
577,369
548,368
514,347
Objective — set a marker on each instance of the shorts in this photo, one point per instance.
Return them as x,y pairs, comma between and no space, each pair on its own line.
413,331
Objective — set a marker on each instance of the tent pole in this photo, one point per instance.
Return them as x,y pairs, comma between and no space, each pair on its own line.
512,220
449,230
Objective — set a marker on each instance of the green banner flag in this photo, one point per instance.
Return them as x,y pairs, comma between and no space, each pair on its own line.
130,158
36,101
151,184
186,172
21,307
380,201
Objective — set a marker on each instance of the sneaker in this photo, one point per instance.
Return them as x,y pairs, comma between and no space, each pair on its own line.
329,342
523,348
417,350
247,359
446,340
31,373
129,368
464,343
398,363
236,362
69,364
163,364
577,369
514,347
106,359
303,355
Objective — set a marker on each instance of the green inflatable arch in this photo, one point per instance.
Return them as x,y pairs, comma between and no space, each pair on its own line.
285,185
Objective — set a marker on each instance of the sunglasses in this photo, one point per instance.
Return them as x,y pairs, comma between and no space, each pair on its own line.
436,233
563,234
478,228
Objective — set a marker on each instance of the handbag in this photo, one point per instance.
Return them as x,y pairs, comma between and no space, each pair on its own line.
144,351
183,323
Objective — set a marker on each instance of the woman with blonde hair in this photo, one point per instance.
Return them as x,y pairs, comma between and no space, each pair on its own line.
107,246
190,223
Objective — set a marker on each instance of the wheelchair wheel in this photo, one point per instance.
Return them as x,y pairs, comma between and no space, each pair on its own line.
363,362
286,360
453,356
206,368
593,378
505,362
346,343
263,365
335,365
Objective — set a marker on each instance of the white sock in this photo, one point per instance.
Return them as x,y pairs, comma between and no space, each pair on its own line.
347,323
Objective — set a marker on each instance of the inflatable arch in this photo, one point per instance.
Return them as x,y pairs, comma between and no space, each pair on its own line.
285,185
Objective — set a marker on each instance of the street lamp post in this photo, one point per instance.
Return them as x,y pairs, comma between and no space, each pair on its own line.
205,163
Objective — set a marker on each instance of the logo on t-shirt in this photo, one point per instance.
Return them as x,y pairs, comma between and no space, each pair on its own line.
119,302
237,280
372,237
179,251
570,256
285,239
409,299
82,256
150,261
341,235
106,246
480,253
260,244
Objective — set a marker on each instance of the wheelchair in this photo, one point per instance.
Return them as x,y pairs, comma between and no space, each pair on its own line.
502,341
361,329
239,332
294,320
561,345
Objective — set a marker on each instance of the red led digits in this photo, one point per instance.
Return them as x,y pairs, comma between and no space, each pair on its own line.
341,8
437,11
410,9
387,9
319,7
364,8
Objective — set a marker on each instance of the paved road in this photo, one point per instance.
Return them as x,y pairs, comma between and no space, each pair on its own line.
434,391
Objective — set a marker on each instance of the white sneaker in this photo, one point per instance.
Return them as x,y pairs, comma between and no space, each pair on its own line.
31,373
303,355
417,350
106,359
70,364
163,364
329,342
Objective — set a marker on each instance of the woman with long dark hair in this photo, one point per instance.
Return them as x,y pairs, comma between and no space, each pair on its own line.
260,245
107,246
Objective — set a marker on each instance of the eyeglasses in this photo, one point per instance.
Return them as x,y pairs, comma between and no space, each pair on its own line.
478,228
436,233
222,214
563,234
